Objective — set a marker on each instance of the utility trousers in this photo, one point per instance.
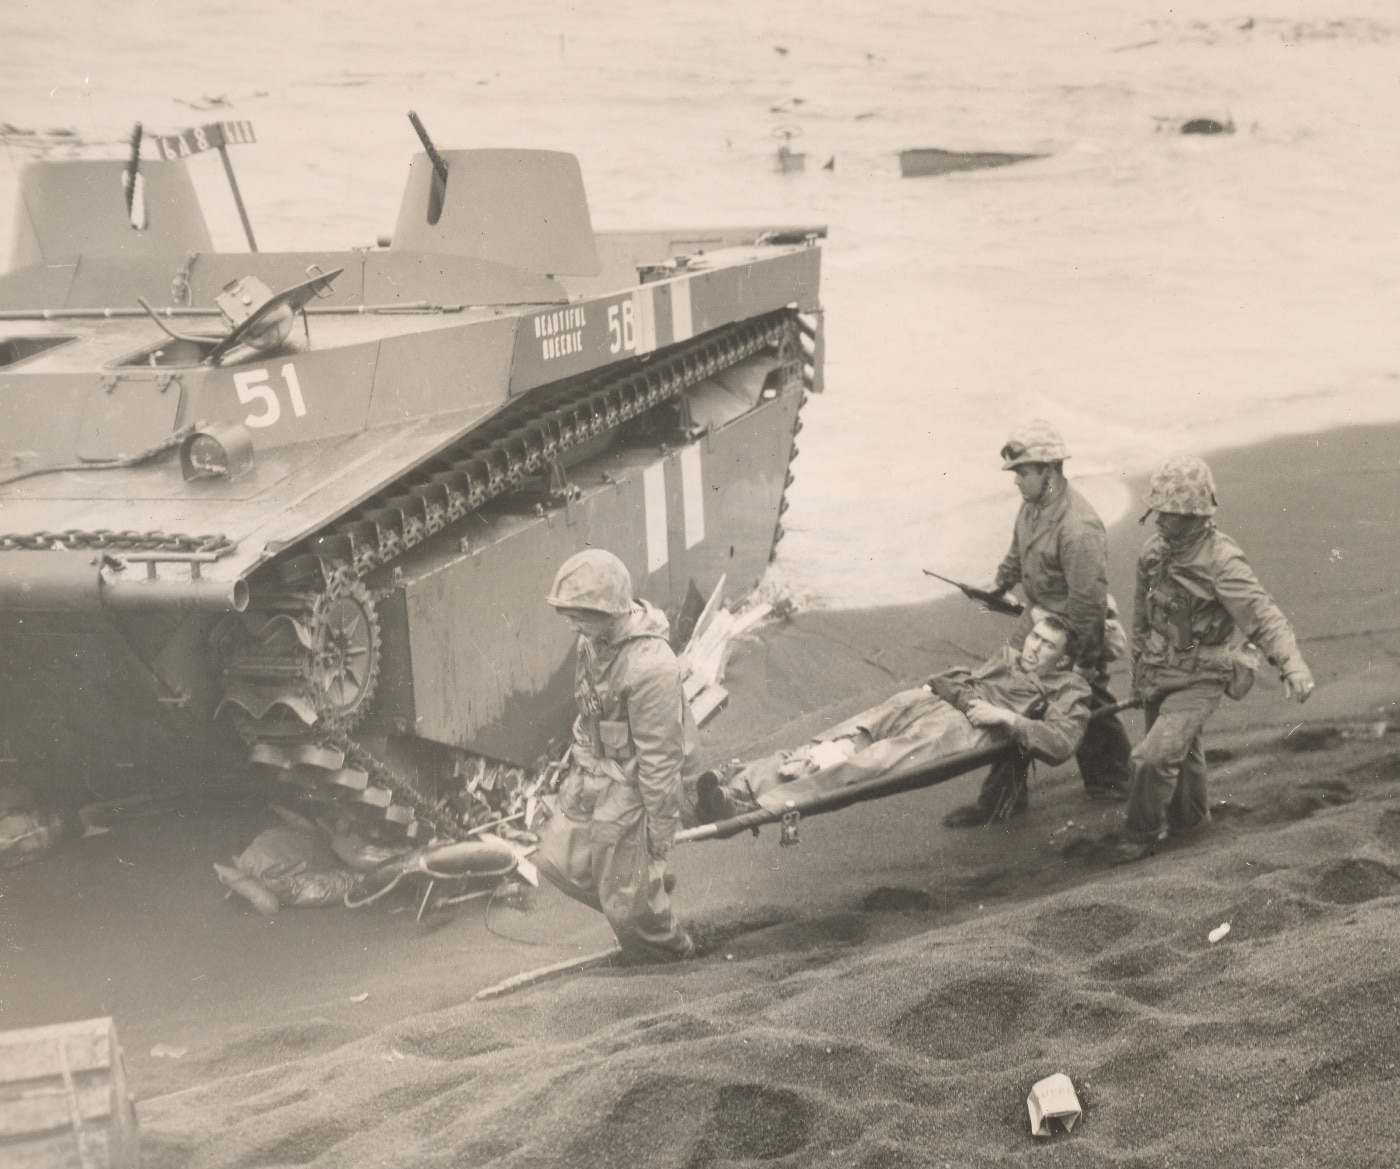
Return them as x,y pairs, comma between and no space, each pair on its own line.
1167,792
607,865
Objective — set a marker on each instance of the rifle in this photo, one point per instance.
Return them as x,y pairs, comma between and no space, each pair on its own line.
996,602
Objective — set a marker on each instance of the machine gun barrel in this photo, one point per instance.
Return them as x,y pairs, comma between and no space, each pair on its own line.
439,163
129,180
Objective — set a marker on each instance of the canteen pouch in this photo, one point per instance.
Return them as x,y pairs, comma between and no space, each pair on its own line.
1245,661
617,739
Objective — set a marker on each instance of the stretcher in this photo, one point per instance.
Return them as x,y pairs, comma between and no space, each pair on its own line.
804,801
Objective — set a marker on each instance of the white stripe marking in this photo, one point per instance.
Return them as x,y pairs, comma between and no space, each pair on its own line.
682,320
644,319
693,494
658,536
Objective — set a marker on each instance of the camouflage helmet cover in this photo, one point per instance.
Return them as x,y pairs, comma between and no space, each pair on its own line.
1183,485
593,579
1035,441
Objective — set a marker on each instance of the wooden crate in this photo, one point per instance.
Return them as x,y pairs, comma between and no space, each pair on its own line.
63,1099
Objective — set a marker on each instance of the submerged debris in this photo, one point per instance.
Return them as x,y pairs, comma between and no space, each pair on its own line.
1207,126
933,161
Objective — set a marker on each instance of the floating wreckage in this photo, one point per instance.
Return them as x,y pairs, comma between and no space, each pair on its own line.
788,160
933,161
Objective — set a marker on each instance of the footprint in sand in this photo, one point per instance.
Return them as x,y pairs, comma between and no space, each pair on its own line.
1084,930
737,1122
968,1017
1388,828
1354,879
451,1043
754,1122
1306,739
1262,912
896,899
1313,796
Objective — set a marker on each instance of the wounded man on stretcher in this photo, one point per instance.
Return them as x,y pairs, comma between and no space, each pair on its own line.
1031,699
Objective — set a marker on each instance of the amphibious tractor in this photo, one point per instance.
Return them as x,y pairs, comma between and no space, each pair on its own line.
299,510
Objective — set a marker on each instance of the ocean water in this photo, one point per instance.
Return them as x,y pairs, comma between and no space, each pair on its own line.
1146,291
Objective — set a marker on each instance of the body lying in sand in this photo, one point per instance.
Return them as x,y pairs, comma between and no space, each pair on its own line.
1030,699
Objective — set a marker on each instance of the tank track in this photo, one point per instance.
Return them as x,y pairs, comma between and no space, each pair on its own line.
300,666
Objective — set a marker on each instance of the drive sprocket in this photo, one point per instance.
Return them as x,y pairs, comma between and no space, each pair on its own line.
344,652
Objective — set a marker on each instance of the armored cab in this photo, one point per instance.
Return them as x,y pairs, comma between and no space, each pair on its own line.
301,509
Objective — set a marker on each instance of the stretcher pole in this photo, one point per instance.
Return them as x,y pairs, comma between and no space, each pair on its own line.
871,789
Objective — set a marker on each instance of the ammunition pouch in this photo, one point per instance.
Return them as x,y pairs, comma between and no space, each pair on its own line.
616,739
1198,658
1245,660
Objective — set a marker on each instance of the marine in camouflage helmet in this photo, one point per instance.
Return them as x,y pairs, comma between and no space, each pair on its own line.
1035,441
617,810
1197,601
595,580
1183,485
1059,557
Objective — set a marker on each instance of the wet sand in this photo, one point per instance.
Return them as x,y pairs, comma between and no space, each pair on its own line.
883,995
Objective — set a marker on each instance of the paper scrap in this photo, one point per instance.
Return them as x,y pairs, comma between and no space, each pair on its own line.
167,1051
528,872
359,998
1219,931
1053,1098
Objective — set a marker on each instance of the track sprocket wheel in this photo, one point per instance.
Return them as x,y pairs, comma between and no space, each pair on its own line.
344,651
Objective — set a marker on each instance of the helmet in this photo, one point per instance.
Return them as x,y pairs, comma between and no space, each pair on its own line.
1183,485
593,579
1035,441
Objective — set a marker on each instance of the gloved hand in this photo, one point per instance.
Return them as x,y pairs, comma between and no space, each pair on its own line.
1298,680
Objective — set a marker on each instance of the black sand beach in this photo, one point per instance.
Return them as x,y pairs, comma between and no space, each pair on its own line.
884,994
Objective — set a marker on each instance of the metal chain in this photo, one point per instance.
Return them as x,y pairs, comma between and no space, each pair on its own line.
105,538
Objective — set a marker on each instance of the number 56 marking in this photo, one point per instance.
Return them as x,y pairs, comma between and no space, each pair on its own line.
253,386
621,334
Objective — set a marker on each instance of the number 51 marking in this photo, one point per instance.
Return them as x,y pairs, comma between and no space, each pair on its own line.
252,386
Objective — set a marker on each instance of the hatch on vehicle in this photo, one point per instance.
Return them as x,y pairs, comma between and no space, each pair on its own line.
16,349
172,351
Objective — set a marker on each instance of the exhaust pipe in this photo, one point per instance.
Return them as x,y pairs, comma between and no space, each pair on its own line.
78,581
123,593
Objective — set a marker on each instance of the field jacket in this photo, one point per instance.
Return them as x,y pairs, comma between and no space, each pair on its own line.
1193,604
1052,710
1059,557
634,730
